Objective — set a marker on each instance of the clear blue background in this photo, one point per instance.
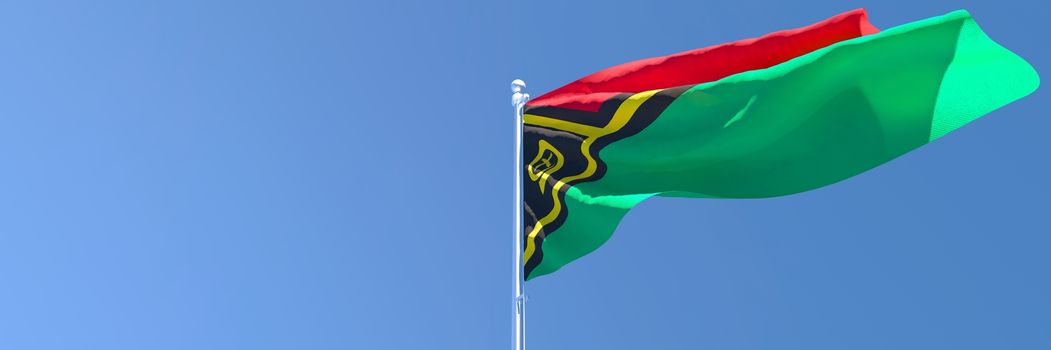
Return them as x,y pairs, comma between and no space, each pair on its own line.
337,175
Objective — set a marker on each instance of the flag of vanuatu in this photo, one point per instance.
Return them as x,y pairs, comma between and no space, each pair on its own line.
780,114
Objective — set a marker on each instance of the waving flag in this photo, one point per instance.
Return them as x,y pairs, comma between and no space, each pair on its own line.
781,114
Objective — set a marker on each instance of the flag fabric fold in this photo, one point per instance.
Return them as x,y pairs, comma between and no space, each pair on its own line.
781,114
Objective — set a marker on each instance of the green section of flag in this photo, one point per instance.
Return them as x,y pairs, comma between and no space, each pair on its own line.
803,124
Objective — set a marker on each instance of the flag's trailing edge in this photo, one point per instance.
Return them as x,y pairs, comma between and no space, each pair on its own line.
781,114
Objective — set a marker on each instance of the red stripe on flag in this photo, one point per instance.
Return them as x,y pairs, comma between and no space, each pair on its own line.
706,64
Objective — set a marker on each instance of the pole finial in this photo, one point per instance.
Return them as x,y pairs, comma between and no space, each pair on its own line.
519,98
517,85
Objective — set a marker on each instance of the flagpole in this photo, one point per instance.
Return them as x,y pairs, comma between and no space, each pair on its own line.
518,100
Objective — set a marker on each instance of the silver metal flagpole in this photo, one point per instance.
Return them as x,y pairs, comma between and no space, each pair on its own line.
518,99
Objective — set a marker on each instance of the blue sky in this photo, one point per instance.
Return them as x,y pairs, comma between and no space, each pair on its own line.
337,175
